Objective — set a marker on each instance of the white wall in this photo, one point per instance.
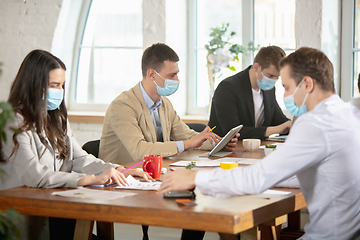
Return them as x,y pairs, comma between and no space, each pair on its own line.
24,26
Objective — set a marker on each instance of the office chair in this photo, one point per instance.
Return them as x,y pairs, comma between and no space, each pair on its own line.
92,147
198,127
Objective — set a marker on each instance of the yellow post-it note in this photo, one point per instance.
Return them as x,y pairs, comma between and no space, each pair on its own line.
229,165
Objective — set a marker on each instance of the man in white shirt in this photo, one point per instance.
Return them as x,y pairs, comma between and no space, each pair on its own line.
322,150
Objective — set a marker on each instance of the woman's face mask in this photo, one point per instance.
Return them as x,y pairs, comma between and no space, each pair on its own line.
169,88
54,98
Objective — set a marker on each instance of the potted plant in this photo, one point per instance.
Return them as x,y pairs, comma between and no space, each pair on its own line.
269,148
221,51
8,219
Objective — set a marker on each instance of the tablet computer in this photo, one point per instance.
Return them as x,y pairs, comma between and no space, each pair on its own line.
215,152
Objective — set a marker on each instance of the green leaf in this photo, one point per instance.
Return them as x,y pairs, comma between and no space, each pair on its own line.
16,130
3,136
5,106
232,68
191,165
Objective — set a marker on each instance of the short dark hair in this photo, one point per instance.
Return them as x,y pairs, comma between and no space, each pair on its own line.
270,55
313,63
155,56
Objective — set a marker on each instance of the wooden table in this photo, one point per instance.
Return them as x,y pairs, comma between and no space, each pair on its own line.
227,216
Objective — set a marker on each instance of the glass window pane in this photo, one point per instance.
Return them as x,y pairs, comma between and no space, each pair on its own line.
357,25
356,49
111,50
104,73
356,74
114,23
274,23
210,14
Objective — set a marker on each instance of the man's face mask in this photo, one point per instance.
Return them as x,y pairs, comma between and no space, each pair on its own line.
290,104
169,88
266,83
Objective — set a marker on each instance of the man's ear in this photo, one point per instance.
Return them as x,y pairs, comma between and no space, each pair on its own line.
256,66
309,83
150,73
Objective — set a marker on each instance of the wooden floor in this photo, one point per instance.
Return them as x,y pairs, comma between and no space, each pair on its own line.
134,232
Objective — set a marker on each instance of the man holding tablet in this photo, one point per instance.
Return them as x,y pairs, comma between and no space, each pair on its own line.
322,150
142,121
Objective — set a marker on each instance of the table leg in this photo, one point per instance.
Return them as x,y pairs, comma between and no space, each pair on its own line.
251,234
294,220
83,229
227,236
105,230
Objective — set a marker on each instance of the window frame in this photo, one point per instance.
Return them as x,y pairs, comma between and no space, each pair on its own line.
73,106
347,53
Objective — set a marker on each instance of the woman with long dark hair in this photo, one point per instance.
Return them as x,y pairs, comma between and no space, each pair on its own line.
45,154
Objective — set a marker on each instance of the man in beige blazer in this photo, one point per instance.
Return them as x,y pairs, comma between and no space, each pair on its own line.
142,121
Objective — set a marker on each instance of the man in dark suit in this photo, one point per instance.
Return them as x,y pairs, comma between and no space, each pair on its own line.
248,98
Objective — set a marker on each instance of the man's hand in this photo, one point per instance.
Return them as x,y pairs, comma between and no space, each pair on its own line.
107,177
280,129
233,142
137,173
198,140
178,180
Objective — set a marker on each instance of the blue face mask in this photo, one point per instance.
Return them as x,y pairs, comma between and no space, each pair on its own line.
54,98
169,88
294,110
266,83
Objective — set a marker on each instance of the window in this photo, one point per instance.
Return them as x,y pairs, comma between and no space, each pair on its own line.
356,50
273,24
110,50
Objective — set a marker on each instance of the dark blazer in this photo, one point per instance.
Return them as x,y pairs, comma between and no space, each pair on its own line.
233,104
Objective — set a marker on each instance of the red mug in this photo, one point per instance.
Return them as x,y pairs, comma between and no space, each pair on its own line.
153,165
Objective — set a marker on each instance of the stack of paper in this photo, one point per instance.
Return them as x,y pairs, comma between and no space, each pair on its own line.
136,184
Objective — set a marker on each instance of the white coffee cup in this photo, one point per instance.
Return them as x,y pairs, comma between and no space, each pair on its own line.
251,144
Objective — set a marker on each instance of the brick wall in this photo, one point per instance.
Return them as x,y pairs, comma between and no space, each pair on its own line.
24,26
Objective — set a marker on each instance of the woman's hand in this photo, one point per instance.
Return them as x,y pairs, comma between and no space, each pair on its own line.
109,176
137,173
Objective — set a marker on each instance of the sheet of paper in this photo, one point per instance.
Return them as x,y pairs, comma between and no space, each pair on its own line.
93,194
136,184
163,170
272,194
204,163
215,163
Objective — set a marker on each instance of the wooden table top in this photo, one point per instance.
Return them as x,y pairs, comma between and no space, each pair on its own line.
230,215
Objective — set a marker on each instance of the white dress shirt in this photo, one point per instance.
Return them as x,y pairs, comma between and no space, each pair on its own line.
154,113
323,150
